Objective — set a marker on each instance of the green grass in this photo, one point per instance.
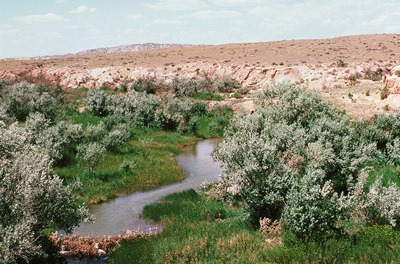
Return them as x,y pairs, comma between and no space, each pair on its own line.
204,128
208,96
84,118
195,230
152,155
202,230
389,173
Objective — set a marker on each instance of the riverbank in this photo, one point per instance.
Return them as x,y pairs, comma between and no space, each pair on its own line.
123,214
115,224
149,163
199,229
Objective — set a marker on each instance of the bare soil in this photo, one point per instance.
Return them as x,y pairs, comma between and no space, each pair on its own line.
351,49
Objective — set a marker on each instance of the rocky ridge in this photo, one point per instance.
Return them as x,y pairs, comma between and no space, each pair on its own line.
131,48
351,71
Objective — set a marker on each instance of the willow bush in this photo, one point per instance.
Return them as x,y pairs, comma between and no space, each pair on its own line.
33,201
297,158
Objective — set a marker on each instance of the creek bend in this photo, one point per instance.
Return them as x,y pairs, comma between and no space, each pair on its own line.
117,216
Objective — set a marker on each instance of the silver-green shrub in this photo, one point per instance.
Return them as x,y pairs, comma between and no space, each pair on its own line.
91,154
374,204
117,137
173,113
96,102
56,140
293,133
23,98
32,199
95,132
135,108
311,211
146,111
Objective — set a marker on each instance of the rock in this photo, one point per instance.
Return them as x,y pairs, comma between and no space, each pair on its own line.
392,80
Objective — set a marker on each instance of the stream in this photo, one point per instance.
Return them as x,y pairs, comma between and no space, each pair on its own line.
122,214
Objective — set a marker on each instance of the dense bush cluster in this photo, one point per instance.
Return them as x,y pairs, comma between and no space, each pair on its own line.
182,87
33,201
21,99
300,160
143,110
42,131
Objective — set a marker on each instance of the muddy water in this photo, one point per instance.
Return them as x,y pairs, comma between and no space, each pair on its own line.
123,213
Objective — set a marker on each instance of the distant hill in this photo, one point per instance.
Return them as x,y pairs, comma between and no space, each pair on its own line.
132,48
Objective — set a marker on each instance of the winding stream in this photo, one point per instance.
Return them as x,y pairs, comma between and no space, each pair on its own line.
123,213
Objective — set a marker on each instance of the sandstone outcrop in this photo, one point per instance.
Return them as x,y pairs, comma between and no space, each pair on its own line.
314,76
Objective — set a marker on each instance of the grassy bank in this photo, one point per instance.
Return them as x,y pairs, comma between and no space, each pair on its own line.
146,162
200,230
195,230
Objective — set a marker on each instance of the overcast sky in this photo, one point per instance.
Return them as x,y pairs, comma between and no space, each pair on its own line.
50,27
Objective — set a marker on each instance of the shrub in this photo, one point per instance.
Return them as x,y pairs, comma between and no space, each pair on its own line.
373,75
96,102
340,63
193,125
243,91
59,139
382,129
149,85
183,87
353,78
36,123
117,137
237,96
91,154
293,133
146,111
385,92
218,124
226,85
311,210
135,108
95,132
33,200
198,108
22,98
173,113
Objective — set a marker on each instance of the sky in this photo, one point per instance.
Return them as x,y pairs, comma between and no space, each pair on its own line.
54,27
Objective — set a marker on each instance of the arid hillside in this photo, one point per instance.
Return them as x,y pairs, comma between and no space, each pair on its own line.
359,73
